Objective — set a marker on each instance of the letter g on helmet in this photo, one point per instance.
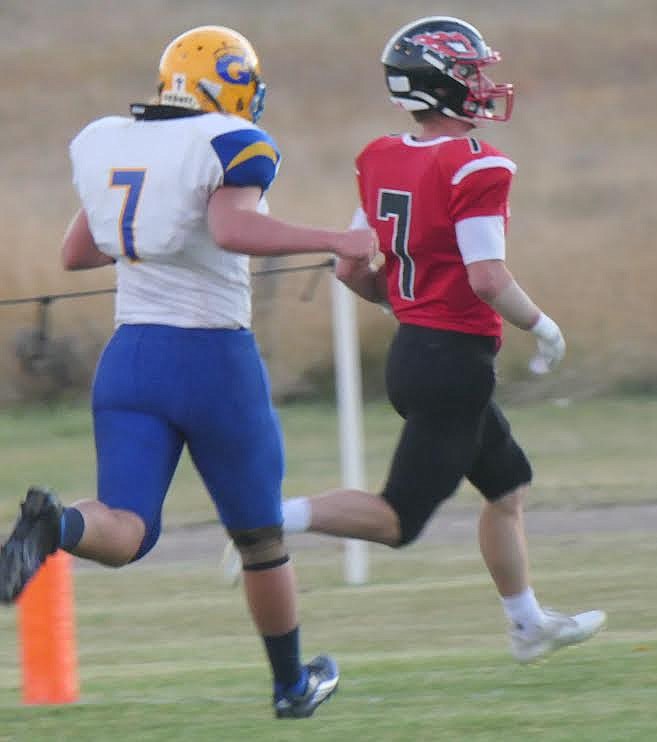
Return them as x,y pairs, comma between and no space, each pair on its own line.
212,69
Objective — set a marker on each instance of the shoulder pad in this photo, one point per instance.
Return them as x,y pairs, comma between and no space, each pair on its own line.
466,155
107,122
378,144
248,156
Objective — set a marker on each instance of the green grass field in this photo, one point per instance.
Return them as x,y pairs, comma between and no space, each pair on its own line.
167,652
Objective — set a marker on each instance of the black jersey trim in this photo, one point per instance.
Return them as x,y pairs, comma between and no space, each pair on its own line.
474,145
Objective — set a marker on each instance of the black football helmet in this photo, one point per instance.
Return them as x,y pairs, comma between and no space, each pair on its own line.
436,63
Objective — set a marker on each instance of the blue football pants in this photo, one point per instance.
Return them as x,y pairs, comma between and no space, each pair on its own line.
159,387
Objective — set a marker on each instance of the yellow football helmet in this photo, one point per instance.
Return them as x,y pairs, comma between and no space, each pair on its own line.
212,68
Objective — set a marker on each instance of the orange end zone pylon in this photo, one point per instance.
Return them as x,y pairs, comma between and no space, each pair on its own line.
46,627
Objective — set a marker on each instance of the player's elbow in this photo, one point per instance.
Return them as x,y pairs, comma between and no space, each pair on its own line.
487,278
78,247
70,259
236,242
232,218
484,287
484,291
77,255
224,236
229,233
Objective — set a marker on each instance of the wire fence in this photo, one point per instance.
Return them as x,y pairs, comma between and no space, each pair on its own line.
49,364
49,298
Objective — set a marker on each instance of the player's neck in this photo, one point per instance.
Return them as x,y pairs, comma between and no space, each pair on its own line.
443,127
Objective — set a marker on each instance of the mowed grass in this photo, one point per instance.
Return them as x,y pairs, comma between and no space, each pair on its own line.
167,651
589,453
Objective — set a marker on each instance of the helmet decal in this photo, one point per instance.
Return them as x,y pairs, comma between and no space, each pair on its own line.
232,68
450,43
177,95
212,69
437,63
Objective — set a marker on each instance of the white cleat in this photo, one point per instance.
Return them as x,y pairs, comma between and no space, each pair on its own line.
558,630
231,565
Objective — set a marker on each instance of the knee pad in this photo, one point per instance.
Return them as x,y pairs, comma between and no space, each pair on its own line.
260,548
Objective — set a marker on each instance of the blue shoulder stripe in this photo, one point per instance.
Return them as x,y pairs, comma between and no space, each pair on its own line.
249,157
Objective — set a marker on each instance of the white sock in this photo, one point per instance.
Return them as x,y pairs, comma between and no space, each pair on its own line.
523,610
296,515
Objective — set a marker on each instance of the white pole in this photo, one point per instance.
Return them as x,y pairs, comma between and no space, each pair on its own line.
348,384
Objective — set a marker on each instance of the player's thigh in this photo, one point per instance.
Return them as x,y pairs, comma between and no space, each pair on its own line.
500,465
431,459
441,383
137,445
440,373
137,455
235,440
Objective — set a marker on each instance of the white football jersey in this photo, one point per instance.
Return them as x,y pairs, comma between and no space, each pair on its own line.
144,184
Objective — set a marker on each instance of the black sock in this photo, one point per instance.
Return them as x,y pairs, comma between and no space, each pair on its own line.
284,657
71,529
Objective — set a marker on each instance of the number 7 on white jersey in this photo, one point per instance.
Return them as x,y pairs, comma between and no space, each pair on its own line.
133,181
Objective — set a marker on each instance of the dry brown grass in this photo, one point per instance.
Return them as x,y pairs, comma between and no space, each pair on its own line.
584,217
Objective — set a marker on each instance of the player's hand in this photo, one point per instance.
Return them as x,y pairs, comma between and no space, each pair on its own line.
550,345
345,268
357,244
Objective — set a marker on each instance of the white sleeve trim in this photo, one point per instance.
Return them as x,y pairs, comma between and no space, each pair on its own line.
481,238
359,219
483,163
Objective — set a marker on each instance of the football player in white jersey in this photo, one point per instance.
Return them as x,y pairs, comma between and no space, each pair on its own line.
173,195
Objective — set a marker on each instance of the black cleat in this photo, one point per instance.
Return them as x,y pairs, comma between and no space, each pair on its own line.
35,536
323,677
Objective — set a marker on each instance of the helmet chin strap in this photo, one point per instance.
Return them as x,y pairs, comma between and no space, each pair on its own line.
457,117
258,101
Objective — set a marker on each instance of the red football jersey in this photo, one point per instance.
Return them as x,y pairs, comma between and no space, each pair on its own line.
413,193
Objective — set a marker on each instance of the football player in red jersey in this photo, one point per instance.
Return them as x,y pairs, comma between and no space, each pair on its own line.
439,203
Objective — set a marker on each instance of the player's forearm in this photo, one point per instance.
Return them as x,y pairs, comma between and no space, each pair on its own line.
513,304
363,280
251,233
492,282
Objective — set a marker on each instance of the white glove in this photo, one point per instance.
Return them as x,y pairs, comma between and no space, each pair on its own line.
551,347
